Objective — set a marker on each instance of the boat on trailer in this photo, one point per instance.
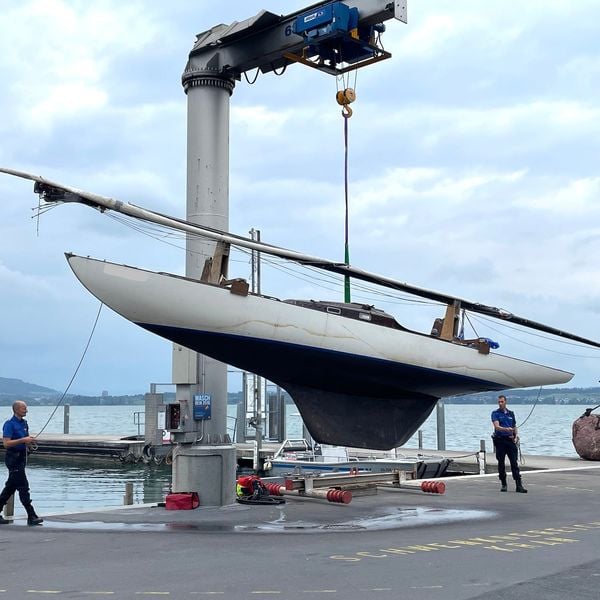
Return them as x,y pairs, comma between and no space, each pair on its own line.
297,456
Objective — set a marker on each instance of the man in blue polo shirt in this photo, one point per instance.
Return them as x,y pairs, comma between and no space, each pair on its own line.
506,437
16,439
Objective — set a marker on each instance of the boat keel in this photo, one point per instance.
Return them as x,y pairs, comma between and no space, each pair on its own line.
360,421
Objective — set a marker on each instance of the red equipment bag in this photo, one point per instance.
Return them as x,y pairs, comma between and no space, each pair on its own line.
182,501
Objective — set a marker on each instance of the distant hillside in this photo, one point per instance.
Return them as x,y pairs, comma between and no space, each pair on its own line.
17,387
37,395
581,396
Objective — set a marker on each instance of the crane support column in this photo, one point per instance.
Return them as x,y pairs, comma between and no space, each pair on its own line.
205,459
208,203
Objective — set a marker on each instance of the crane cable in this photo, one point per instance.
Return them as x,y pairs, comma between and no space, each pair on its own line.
344,98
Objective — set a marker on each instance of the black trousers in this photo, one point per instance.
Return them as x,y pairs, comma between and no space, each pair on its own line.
506,447
17,480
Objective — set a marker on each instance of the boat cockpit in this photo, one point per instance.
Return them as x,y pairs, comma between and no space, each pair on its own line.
352,310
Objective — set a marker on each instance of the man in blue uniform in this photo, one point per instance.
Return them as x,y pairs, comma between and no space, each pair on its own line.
16,439
506,437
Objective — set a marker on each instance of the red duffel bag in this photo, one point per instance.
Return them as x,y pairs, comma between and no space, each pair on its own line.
182,501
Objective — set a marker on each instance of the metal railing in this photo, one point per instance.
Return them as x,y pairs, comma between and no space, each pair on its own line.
139,419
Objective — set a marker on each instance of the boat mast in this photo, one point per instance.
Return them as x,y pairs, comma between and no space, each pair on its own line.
53,192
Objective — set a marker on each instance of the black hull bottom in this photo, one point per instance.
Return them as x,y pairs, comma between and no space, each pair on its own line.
344,399
360,421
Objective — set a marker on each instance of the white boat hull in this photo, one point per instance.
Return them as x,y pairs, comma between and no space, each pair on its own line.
355,383
422,468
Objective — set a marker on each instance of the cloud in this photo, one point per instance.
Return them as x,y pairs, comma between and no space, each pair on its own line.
61,66
62,101
259,121
575,198
472,166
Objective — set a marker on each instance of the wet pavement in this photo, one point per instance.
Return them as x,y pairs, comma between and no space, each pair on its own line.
471,542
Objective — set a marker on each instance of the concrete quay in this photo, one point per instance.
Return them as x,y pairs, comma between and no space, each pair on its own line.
472,542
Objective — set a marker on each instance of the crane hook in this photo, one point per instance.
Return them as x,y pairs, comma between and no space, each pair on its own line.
344,99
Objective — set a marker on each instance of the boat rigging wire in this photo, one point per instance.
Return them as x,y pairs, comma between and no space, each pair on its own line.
57,193
532,408
75,373
556,340
466,316
37,220
520,426
325,277
152,230
281,264
42,210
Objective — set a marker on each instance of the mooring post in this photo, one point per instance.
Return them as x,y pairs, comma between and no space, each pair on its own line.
128,497
9,507
420,432
482,457
66,412
441,425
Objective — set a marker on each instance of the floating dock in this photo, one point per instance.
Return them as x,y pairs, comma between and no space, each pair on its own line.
131,449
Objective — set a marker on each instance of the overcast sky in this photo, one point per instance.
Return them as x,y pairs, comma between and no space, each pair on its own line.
473,170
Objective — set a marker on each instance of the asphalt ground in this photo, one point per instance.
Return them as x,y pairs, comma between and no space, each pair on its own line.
472,542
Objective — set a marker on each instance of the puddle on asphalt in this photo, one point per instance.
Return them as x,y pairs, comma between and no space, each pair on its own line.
391,519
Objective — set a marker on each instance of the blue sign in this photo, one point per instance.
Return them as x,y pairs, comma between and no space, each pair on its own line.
202,406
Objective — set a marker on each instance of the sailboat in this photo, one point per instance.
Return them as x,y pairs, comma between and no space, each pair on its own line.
358,377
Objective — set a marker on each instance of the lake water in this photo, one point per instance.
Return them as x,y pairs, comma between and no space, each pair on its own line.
63,486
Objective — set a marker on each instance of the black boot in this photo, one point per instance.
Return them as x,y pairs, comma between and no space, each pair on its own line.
503,487
32,518
520,489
